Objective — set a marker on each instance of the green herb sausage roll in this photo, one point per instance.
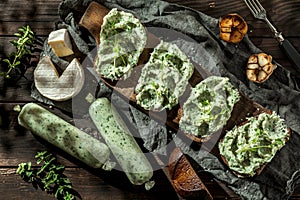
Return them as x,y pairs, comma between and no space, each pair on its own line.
63,135
121,142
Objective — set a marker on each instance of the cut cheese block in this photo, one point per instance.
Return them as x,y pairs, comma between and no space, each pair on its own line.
55,87
60,42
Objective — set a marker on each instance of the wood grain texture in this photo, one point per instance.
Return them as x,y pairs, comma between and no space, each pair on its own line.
28,10
18,145
41,16
282,13
268,45
11,91
88,184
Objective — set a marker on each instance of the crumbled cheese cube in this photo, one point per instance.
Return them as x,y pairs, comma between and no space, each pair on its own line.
60,42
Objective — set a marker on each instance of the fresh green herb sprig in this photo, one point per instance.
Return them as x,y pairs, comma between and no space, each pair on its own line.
49,177
19,59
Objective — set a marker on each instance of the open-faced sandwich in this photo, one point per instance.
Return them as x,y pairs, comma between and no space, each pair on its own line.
164,78
208,107
247,148
122,41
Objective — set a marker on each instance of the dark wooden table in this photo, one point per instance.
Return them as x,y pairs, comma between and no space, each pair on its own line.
18,146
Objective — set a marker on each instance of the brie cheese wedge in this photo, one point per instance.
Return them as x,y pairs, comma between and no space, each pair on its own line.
60,42
55,87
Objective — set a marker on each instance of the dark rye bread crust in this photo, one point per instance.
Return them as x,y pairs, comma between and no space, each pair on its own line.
185,180
93,19
260,169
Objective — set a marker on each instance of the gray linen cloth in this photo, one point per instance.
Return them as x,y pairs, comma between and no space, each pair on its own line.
198,36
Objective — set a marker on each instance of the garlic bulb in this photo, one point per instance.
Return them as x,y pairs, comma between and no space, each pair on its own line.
233,28
259,67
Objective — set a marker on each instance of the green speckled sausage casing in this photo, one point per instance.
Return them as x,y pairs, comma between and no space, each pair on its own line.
63,135
121,142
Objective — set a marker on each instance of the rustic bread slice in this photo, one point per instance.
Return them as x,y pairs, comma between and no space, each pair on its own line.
122,40
185,180
258,170
208,107
92,19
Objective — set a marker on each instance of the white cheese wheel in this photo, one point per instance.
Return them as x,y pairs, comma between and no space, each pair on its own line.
60,42
55,87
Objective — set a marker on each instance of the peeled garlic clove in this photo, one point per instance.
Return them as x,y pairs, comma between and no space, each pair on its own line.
251,75
253,66
226,30
268,68
253,59
263,59
259,67
262,76
232,28
225,36
236,37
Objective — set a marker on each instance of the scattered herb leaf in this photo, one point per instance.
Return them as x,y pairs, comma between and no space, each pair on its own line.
18,60
49,177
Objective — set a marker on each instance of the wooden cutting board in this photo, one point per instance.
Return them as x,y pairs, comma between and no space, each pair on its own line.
92,21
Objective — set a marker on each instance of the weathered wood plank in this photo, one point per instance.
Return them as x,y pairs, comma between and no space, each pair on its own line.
269,45
14,14
38,6
40,28
16,91
19,145
282,13
90,185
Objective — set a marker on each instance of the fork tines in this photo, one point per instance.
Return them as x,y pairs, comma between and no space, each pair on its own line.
255,7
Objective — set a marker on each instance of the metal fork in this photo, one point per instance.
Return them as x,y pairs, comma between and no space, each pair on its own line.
259,12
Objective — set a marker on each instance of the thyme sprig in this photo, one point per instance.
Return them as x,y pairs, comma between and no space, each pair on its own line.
49,177
19,59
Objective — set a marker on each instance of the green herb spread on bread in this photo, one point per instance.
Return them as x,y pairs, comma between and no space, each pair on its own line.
209,106
164,78
122,41
248,147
